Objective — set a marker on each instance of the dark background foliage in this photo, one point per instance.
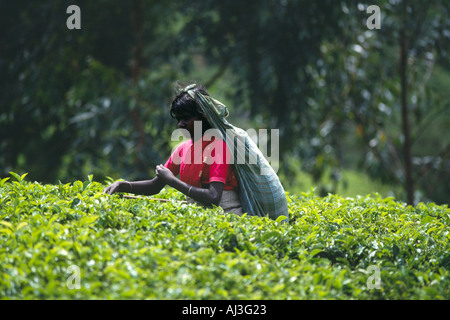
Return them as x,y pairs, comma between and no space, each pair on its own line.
344,97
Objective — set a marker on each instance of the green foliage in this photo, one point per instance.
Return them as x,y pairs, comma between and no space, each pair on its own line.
145,249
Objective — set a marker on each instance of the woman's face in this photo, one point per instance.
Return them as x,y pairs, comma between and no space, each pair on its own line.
186,121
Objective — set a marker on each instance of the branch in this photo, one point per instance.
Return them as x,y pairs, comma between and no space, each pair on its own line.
155,199
223,67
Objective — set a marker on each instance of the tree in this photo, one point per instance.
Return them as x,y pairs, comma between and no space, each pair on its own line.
68,93
315,71
94,100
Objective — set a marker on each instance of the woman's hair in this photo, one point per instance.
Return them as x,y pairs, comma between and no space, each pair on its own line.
184,103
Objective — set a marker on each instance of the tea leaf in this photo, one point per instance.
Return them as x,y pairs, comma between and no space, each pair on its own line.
2,182
7,224
21,225
15,175
281,219
7,231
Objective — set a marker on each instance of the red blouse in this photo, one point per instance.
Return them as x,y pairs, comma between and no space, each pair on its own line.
203,162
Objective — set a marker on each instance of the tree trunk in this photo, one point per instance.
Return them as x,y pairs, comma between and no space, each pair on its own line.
137,60
409,183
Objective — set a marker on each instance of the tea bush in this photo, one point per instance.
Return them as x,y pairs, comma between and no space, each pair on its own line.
69,241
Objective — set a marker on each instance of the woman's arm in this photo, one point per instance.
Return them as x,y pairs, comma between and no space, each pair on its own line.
145,187
210,196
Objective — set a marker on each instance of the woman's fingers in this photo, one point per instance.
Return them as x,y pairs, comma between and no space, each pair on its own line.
107,190
111,189
158,168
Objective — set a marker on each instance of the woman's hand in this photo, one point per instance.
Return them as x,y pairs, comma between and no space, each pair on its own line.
118,186
164,174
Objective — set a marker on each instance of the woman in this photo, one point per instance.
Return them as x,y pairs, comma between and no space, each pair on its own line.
211,170
200,180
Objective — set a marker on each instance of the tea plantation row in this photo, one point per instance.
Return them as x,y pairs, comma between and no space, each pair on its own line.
69,241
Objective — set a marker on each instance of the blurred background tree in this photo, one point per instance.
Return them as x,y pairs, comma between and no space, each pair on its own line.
351,103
